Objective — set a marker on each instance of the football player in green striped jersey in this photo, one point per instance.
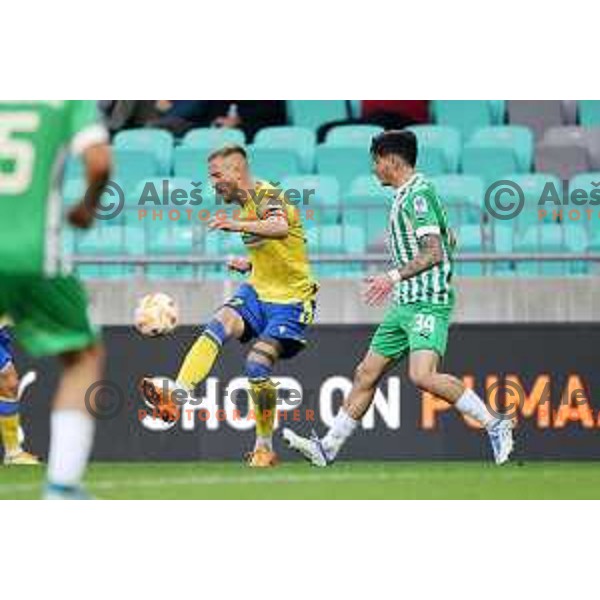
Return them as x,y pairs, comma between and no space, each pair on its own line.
49,308
415,326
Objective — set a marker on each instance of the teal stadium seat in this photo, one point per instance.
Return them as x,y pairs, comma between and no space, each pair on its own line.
352,136
131,166
494,151
323,206
300,140
466,115
273,164
220,246
191,164
175,242
105,241
547,239
470,240
462,196
439,149
211,138
583,181
149,195
532,185
517,138
589,113
367,205
337,239
344,163
314,113
158,141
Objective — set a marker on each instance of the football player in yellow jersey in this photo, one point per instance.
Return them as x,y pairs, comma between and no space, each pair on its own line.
11,433
273,308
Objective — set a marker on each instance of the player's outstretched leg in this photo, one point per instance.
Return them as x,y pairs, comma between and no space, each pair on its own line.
10,421
71,425
321,452
423,373
199,360
263,393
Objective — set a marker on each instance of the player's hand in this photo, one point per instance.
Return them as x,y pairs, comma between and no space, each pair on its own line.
224,224
80,216
240,264
378,288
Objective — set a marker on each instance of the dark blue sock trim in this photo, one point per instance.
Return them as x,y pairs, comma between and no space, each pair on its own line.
216,332
256,370
8,409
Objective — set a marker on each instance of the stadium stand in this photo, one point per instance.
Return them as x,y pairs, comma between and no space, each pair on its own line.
465,148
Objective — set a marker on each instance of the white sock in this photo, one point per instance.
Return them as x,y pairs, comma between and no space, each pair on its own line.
264,441
473,406
71,439
342,428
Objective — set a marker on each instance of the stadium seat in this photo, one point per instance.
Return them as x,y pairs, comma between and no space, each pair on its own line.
219,247
589,113
577,136
513,137
157,141
584,181
211,138
533,185
342,162
547,239
274,164
191,164
73,168
464,115
314,113
462,196
493,152
537,115
569,111
104,241
322,205
131,166
156,196
438,149
351,136
367,205
470,240
298,139
563,160
177,242
337,239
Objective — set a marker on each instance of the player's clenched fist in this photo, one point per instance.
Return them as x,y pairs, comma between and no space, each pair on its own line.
240,264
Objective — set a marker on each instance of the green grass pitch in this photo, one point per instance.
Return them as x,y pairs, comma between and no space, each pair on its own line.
345,480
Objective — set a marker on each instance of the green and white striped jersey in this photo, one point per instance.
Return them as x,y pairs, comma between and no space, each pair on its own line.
417,211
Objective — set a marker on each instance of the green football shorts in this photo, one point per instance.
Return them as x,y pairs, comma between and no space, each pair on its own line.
49,315
409,327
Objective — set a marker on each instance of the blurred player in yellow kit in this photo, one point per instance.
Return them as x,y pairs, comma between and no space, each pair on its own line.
273,308
10,396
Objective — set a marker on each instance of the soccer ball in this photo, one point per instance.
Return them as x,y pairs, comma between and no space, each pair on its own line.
156,314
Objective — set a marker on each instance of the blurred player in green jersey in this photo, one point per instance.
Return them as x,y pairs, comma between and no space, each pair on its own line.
47,307
416,324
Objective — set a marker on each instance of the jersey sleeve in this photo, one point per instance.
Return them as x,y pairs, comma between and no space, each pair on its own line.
85,127
423,212
271,206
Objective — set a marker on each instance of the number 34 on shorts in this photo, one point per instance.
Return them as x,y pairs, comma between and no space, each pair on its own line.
409,327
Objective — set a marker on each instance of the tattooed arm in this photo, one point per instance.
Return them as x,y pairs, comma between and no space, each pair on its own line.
430,254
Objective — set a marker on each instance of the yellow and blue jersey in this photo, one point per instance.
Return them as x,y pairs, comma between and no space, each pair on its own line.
280,268
278,301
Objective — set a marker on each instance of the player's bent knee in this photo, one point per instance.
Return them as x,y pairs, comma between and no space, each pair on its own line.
231,322
9,383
